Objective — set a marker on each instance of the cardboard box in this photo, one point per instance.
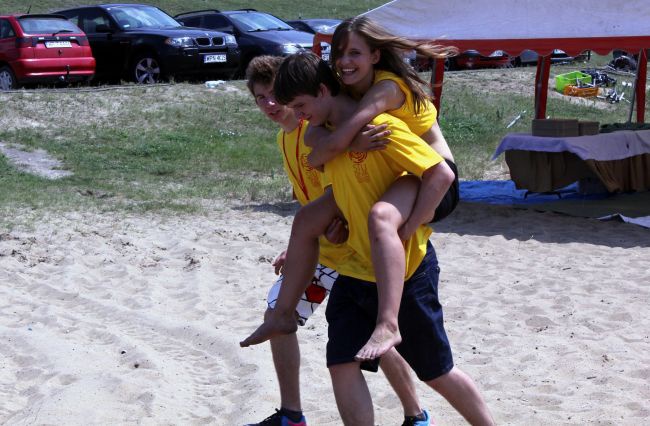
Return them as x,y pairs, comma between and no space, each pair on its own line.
555,127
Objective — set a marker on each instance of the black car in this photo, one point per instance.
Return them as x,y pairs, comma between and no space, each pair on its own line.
144,44
257,33
324,26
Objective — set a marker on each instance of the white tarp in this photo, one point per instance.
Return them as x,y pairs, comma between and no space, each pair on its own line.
454,20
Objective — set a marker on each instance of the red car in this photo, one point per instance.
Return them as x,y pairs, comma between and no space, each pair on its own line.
471,59
42,49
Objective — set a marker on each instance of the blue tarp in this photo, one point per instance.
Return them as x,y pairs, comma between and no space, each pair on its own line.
504,192
632,208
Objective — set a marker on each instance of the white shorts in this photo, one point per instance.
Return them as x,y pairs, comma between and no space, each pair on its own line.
320,286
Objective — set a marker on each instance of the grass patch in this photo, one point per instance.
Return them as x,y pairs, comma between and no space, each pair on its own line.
182,148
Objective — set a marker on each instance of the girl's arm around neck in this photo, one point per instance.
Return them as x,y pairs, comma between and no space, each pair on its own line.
383,96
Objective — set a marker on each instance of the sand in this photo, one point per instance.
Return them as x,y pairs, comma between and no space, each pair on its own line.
111,319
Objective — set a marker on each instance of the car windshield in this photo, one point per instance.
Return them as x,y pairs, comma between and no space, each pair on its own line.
256,21
47,25
141,17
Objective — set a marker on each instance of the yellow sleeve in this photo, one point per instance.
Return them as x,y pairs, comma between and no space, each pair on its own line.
407,150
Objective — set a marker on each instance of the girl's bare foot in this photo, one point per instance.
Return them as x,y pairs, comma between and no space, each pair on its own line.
382,339
274,325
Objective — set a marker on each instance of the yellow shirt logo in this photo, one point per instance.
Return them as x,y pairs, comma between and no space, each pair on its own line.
360,169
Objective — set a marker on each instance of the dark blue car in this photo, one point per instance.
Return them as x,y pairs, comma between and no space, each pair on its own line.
257,33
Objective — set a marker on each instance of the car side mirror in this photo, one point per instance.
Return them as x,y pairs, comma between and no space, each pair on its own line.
103,28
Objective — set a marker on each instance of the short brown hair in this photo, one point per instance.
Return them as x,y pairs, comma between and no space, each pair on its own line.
262,70
302,74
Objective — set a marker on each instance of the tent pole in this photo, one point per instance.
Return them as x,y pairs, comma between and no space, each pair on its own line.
437,75
640,85
541,85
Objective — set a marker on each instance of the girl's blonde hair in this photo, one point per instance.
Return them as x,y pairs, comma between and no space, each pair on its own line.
391,49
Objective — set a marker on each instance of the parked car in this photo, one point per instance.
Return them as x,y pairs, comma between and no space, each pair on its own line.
42,49
312,26
257,33
325,26
529,57
144,44
472,59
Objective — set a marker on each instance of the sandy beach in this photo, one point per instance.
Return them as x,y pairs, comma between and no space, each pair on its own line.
109,319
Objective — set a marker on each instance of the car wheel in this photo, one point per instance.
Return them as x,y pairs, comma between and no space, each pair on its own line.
7,79
146,69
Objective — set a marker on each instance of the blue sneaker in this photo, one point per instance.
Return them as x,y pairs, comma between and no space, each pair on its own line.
413,421
279,419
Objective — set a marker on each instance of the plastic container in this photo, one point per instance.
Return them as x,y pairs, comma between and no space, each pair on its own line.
571,79
583,92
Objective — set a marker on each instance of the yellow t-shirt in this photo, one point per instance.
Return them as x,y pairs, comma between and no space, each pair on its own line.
307,184
418,123
359,179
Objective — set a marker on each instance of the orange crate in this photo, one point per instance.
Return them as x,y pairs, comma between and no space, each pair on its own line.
583,92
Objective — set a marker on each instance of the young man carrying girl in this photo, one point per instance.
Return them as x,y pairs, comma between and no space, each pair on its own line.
307,185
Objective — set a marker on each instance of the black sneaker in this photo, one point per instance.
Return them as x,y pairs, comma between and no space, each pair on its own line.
279,419
413,421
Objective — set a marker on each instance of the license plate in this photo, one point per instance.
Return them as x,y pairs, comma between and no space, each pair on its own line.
208,59
57,44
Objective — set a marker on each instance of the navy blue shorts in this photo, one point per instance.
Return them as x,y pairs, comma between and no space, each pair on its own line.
352,314
452,197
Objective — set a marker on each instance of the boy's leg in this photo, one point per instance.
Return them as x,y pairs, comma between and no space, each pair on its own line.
285,348
302,257
398,374
352,395
426,347
461,392
388,260
286,360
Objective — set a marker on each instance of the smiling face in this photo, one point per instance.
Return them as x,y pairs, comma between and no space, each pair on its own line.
265,101
355,66
312,108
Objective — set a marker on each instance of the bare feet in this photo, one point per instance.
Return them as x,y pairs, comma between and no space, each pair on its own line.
274,325
380,342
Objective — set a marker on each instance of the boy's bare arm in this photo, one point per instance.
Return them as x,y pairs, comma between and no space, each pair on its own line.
381,97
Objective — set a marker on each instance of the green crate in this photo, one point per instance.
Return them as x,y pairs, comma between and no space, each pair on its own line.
570,79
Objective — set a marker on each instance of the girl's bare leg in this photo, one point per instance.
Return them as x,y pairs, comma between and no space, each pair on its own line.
310,222
388,260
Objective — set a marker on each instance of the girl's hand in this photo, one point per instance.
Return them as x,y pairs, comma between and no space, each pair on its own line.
371,138
278,263
407,230
337,231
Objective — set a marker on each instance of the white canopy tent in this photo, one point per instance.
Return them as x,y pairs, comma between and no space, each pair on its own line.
517,25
